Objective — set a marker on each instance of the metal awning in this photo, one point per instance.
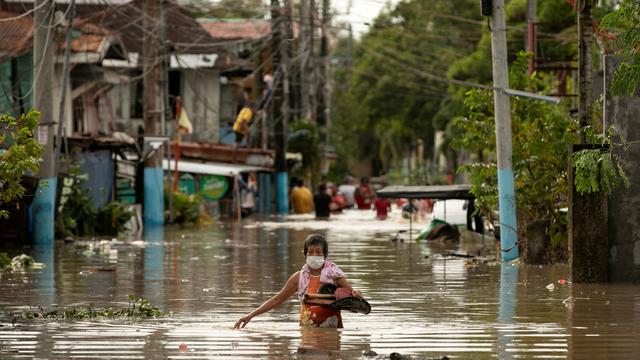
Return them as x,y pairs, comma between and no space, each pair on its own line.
427,192
210,168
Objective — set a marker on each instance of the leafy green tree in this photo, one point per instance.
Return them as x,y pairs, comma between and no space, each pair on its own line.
22,154
541,135
305,140
625,20
389,97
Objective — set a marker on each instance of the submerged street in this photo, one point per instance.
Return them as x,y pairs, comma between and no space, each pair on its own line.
424,305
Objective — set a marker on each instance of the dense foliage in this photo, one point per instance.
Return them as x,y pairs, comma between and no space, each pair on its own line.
625,20
397,92
541,132
79,217
21,156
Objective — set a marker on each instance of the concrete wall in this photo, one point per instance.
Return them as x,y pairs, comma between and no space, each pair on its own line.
201,100
624,204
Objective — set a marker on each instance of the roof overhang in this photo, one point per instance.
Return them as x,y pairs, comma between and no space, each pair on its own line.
211,168
427,192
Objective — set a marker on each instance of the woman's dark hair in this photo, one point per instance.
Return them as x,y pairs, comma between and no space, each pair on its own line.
316,239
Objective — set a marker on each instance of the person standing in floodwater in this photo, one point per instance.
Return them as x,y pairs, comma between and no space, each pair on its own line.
316,272
322,202
364,194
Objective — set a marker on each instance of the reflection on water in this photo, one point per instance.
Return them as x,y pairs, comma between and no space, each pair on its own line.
423,304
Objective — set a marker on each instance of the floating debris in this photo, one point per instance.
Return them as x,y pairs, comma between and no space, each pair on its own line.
551,287
138,308
20,262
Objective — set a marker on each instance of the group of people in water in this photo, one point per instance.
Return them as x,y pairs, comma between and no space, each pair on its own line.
330,198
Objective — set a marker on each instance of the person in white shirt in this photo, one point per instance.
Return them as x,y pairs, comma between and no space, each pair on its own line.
348,190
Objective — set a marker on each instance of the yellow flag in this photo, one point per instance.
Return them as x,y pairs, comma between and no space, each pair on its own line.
184,125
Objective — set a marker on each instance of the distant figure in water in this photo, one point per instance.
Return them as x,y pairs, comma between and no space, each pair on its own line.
364,195
382,207
322,202
317,271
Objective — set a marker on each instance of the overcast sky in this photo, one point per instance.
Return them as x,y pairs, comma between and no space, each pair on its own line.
358,12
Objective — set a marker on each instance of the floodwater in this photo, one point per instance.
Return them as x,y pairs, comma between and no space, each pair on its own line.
424,305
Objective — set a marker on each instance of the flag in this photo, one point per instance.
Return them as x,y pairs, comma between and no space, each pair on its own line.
184,125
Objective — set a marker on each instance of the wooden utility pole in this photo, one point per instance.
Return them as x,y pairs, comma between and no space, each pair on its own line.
502,110
324,84
152,111
585,67
282,200
311,62
532,19
43,82
303,49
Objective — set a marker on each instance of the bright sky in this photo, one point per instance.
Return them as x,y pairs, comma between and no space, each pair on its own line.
358,12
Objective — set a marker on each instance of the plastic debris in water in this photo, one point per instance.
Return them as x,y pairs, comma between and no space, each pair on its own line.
182,347
551,287
562,281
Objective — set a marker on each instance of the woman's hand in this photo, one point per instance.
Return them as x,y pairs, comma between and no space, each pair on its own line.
356,293
242,322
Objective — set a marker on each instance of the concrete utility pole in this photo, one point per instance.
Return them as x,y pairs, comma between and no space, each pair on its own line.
506,190
532,19
585,67
282,198
325,87
65,80
152,112
43,80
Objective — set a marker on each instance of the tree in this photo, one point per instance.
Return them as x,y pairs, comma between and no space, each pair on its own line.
388,99
541,135
626,21
22,154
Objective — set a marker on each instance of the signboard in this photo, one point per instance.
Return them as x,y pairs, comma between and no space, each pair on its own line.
213,187
187,184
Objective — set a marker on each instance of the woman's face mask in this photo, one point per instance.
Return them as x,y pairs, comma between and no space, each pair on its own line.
315,262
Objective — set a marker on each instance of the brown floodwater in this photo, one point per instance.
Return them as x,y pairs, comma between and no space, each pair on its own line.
424,305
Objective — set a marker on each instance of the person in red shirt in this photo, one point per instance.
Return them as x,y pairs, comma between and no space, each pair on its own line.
382,207
364,194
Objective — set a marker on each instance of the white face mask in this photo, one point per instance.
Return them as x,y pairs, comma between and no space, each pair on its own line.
315,262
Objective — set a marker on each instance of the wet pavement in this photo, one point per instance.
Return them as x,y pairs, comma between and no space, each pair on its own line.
424,305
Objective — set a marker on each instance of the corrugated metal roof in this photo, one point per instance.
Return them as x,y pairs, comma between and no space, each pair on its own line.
15,35
236,30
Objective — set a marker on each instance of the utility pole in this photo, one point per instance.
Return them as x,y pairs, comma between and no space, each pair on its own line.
43,80
65,82
325,87
282,198
312,62
532,19
506,189
305,55
585,67
152,112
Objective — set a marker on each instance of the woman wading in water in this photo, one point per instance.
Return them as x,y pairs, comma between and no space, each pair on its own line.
306,283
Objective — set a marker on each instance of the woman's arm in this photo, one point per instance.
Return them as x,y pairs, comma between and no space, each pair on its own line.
344,283
286,292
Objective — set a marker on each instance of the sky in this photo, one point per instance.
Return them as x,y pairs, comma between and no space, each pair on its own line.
358,12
